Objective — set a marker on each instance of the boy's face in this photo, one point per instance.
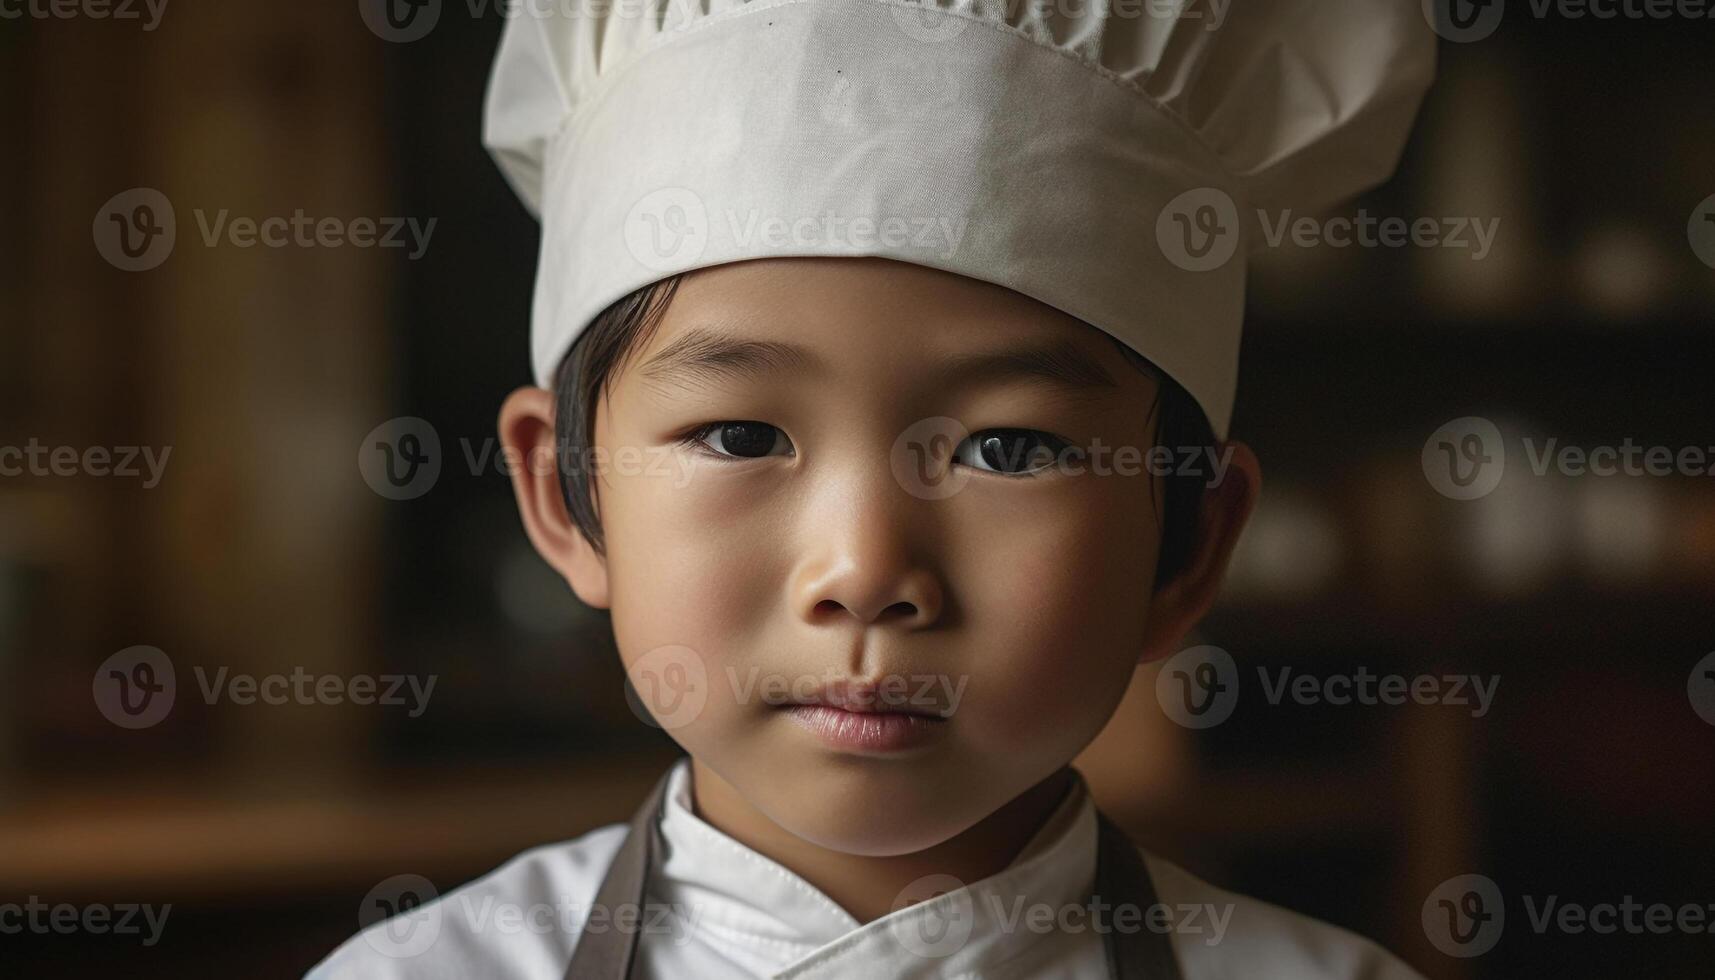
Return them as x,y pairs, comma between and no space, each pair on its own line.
748,567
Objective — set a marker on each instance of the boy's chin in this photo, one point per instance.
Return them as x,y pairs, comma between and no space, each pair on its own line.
872,819
882,831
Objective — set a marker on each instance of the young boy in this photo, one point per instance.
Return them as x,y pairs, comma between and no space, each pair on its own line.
847,321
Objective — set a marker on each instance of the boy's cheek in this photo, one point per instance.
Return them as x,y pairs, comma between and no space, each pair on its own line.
1065,638
674,561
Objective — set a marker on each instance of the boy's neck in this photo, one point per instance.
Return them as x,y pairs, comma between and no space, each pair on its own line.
867,887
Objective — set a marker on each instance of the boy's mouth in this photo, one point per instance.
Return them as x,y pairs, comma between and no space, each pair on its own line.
866,731
870,697
858,716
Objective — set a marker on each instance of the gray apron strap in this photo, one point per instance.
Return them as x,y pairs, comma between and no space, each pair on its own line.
611,953
1121,879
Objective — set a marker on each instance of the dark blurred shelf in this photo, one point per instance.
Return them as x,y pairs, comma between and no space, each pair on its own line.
1566,627
448,825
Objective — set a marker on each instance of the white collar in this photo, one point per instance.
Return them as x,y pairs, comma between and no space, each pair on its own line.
774,923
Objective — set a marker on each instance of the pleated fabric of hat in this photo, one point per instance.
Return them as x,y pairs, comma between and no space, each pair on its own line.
1097,156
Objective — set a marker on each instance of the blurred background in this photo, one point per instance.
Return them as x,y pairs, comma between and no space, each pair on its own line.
267,544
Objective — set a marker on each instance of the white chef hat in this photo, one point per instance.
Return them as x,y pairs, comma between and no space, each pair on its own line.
1059,148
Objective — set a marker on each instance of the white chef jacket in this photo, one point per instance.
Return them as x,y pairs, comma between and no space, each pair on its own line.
721,911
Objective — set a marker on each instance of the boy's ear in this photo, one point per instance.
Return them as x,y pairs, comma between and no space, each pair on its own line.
1180,604
527,434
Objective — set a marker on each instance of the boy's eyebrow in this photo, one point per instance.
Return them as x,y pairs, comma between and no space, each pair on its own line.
1056,365
704,355
701,354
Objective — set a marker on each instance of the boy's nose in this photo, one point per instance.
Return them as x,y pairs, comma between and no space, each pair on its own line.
863,564
871,595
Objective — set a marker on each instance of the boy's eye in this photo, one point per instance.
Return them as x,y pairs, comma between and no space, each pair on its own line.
743,440
1009,451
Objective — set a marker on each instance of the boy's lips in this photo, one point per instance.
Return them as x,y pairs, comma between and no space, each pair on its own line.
866,717
872,732
867,697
